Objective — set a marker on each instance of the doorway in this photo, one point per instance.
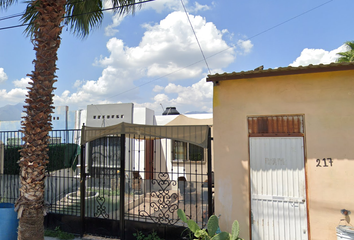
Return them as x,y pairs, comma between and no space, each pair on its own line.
277,181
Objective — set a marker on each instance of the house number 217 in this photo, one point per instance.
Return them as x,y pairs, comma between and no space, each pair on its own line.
326,162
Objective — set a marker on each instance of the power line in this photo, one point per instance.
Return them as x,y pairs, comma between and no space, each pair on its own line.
101,10
290,19
14,26
256,35
11,16
195,35
112,8
187,66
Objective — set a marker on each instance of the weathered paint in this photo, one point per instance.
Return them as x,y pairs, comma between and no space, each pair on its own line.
326,101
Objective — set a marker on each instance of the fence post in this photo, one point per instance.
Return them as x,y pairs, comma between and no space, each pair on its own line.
2,157
210,177
122,186
82,188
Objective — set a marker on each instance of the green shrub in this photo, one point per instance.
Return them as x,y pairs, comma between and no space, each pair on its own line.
60,156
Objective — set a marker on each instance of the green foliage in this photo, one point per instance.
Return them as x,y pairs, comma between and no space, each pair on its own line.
235,230
141,236
210,232
182,215
60,156
213,225
347,56
193,226
57,233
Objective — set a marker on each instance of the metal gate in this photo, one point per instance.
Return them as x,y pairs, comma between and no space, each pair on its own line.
138,181
122,182
278,192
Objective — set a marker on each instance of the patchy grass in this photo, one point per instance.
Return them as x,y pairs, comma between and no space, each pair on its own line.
57,233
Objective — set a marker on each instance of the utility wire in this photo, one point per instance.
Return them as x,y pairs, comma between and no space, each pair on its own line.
14,26
217,53
102,10
180,69
195,35
290,19
112,8
12,16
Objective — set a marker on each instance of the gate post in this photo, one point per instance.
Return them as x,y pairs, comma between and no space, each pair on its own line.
122,186
82,189
210,176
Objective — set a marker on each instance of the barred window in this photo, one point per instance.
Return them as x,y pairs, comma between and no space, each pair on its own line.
180,150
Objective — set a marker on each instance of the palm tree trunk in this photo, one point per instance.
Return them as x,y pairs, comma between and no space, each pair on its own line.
37,123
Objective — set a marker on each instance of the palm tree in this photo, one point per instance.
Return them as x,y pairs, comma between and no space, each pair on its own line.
45,19
347,56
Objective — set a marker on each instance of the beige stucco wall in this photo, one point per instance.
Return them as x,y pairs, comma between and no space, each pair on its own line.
327,102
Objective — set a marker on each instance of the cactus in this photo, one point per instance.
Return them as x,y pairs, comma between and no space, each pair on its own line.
213,224
235,230
182,215
202,234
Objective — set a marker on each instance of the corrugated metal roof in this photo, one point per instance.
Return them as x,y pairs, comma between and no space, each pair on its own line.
259,72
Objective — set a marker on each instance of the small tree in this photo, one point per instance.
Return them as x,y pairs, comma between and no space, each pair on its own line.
347,56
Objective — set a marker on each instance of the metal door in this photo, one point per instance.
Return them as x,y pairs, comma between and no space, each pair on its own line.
278,192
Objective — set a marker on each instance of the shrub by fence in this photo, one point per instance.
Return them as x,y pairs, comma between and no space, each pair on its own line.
60,156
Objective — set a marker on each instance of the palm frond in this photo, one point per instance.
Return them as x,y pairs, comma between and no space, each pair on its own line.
123,7
347,56
29,16
81,16
4,4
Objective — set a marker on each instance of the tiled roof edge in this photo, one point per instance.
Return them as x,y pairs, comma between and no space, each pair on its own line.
282,71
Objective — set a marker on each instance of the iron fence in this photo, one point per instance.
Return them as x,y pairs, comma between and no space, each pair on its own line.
104,184
62,173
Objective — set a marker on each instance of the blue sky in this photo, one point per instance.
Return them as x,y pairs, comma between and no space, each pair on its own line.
153,58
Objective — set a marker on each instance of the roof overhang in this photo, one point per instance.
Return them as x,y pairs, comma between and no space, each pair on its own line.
282,71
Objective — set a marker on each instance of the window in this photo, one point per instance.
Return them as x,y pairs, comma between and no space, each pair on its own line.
180,150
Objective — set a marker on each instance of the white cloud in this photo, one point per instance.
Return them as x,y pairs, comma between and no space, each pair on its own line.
158,88
78,83
245,45
3,76
158,6
196,97
111,30
15,95
198,7
167,50
317,56
161,5
23,83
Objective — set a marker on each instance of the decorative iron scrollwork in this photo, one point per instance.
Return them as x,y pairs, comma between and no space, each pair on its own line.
101,209
166,204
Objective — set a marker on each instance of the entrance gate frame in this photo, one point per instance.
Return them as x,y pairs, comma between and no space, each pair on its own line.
152,132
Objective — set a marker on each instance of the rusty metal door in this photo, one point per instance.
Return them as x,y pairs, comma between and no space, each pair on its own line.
278,190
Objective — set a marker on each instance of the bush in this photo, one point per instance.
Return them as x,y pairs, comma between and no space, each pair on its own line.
60,156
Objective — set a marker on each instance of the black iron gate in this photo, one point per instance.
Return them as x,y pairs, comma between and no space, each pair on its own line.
121,183
134,182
